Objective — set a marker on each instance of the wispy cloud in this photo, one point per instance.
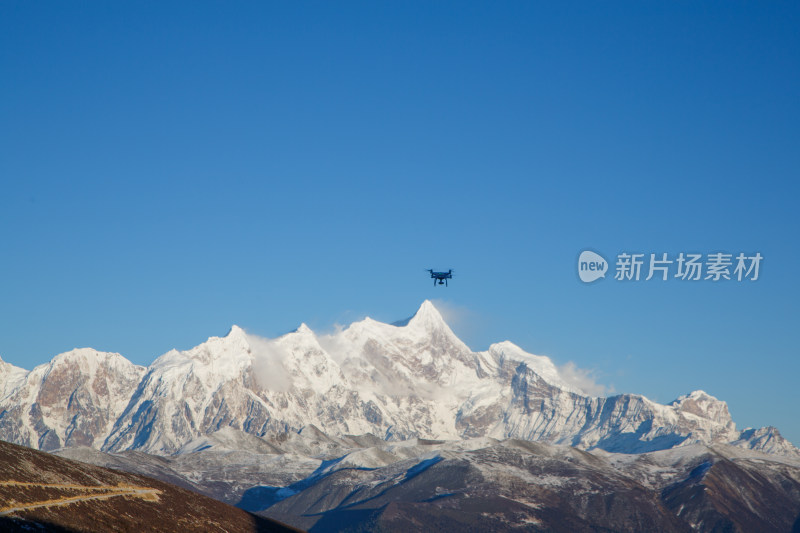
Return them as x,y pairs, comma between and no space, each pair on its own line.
583,379
462,320
268,368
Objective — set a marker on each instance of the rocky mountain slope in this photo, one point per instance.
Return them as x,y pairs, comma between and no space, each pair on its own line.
42,492
324,483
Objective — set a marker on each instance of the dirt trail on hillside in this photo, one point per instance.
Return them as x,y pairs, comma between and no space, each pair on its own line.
109,491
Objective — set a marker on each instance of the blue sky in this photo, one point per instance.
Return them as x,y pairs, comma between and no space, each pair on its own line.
170,169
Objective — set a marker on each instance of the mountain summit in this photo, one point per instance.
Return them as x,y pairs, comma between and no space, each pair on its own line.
409,379
427,316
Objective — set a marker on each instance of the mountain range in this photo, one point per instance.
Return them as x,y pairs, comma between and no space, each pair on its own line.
321,483
411,379
398,427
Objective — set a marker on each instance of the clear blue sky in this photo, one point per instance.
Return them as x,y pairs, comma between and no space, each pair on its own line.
169,169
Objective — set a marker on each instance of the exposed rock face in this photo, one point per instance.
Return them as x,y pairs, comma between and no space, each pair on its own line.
411,379
72,401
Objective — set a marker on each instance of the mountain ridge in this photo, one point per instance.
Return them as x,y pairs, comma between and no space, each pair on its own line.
324,483
43,492
413,378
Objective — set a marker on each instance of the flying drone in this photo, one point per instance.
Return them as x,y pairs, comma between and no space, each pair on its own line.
441,277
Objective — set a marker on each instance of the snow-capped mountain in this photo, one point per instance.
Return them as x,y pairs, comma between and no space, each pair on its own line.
73,400
409,379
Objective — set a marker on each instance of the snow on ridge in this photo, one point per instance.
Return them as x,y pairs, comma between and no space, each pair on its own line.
698,394
542,365
10,378
216,360
702,404
404,380
89,359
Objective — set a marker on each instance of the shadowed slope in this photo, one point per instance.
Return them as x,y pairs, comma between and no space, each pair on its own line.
63,495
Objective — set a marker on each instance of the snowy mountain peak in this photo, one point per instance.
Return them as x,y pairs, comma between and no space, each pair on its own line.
235,332
73,400
301,339
427,307
87,364
696,395
77,354
90,361
703,405
428,316
303,329
236,341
